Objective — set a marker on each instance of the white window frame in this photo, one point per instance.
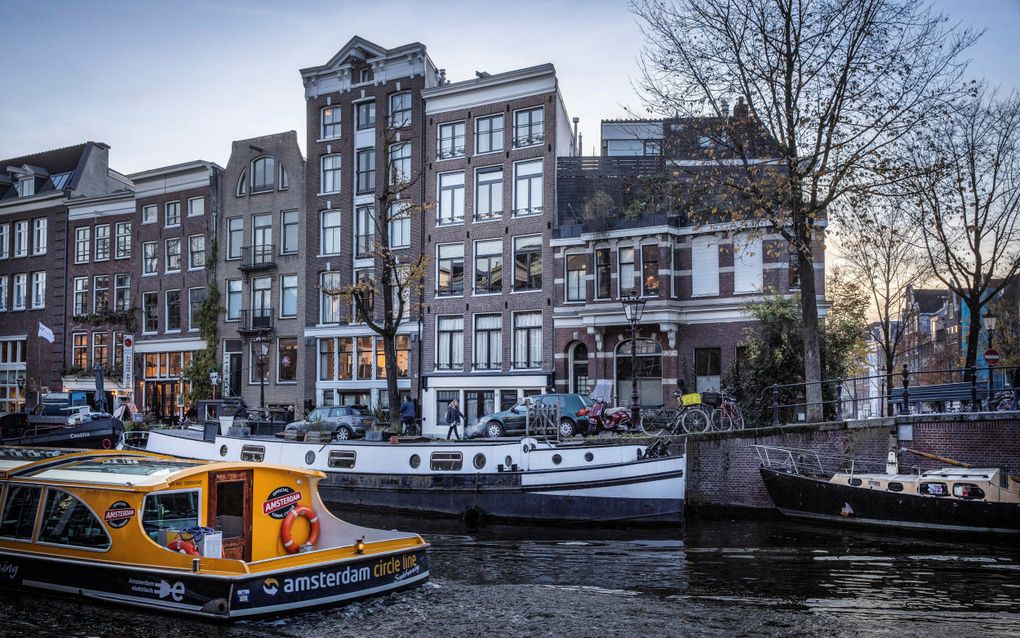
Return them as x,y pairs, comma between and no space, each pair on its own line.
166,255
166,312
323,123
105,238
191,252
117,235
145,258
150,214
568,286
3,293
118,305
191,316
284,224
5,241
492,215
400,225
446,147
21,238
283,296
39,290
536,365
705,266
529,139
39,236
453,218
334,232
176,205
410,104
239,292
191,206
20,282
490,134
336,173
531,209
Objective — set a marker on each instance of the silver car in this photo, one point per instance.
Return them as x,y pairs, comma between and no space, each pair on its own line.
345,421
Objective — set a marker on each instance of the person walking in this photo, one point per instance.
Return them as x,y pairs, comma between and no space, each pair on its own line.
407,415
453,419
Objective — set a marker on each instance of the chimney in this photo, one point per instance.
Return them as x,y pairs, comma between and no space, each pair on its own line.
442,77
740,109
577,140
724,107
580,147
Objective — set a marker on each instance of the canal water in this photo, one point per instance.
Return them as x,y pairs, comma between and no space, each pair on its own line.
726,578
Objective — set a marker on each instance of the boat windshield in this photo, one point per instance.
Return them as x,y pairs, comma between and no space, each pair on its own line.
117,469
169,510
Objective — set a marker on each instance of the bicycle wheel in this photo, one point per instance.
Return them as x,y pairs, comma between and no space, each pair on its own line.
738,418
695,420
721,420
657,423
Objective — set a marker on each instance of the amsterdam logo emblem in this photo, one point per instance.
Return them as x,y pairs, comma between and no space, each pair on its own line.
271,586
119,514
280,501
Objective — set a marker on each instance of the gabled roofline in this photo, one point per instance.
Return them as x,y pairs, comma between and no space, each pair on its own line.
358,41
490,80
173,168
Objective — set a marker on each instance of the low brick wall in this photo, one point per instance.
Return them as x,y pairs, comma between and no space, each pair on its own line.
722,469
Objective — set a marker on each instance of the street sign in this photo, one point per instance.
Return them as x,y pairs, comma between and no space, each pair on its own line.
991,356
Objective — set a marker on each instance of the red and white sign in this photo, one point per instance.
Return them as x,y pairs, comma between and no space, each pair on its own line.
118,514
280,502
991,356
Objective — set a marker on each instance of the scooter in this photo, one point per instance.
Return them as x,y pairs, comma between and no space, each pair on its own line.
606,419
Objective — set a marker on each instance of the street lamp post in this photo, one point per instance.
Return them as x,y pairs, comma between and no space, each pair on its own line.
21,389
261,358
633,307
989,319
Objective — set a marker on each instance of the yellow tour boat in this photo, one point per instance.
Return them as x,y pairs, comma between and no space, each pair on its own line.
219,540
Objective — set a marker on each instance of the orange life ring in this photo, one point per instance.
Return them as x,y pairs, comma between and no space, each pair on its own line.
180,545
288,524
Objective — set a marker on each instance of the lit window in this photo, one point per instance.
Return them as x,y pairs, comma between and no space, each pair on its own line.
330,123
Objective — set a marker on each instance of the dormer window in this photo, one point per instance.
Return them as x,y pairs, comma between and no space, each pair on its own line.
26,186
365,76
242,184
262,174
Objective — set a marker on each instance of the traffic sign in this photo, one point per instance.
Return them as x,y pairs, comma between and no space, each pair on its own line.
991,356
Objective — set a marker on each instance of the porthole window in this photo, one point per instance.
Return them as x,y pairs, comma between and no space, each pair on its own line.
309,457
557,459
479,461
589,457
508,461
415,461
895,487
854,481
223,450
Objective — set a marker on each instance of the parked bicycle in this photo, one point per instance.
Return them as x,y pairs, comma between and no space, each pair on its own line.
689,417
725,414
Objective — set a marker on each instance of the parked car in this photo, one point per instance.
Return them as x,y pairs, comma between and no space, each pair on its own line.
512,422
346,421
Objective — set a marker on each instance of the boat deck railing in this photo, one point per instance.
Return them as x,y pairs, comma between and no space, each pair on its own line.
806,462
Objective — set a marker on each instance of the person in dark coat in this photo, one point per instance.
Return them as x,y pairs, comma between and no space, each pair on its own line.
407,414
290,414
242,410
453,418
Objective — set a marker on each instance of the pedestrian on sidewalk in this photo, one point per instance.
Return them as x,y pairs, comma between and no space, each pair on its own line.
453,419
407,415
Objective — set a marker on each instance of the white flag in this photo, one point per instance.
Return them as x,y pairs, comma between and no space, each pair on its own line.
46,333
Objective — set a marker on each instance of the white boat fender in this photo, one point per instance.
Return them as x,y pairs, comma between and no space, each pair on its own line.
892,465
529,445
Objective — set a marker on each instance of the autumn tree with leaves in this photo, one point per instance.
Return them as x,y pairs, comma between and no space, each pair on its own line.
835,85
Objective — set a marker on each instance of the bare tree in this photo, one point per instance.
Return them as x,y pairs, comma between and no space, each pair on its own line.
966,188
882,251
835,84
390,297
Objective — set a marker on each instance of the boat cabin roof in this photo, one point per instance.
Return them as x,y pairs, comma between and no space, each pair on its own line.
957,473
108,468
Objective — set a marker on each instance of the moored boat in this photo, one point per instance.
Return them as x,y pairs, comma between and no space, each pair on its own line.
218,540
957,499
79,427
529,479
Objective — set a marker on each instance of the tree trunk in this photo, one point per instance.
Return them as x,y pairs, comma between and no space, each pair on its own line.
812,347
973,336
390,351
890,362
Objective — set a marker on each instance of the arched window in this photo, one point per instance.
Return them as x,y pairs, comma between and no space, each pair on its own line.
242,184
647,365
263,171
580,383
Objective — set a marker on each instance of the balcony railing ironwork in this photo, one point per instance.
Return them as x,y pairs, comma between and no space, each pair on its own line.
258,257
256,321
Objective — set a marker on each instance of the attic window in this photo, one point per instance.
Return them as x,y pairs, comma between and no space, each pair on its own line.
365,76
284,182
242,184
26,186
61,180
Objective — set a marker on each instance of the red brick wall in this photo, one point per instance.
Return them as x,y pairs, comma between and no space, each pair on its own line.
993,442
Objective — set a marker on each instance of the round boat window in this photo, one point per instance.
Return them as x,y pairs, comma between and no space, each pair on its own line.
589,457
309,457
557,459
479,461
508,462
223,450
415,460
854,481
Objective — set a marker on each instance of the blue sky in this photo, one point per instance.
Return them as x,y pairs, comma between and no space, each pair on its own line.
169,82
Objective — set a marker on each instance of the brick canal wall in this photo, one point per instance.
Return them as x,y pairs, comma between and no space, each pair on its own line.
722,469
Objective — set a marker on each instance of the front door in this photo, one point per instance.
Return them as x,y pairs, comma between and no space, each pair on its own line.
230,511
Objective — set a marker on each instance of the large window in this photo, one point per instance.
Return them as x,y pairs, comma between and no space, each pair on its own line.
5,240
364,232
100,349
261,299
81,295
327,359
365,112
400,110
102,242
628,271
289,226
150,312
123,249
705,266
329,304
400,163
82,244
263,172
3,293
449,270
488,266
330,232
21,238
286,360
196,296
39,236
489,193
650,270
122,292
329,179
345,358
20,291
235,237
529,127
20,511
528,263
528,188
234,299
38,290
101,293
451,140
400,224
173,310
366,171
747,264
489,134
150,258
80,350
488,348
288,296
330,123
172,214
450,343
196,252
196,206
150,214
707,368
528,340
451,198
173,255
577,277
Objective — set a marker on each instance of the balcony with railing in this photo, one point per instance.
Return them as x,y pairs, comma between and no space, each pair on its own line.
256,321
256,258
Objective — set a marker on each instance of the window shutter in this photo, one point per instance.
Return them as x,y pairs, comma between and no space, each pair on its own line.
747,264
705,266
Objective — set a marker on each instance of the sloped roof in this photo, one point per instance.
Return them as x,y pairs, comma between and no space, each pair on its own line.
62,165
929,300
